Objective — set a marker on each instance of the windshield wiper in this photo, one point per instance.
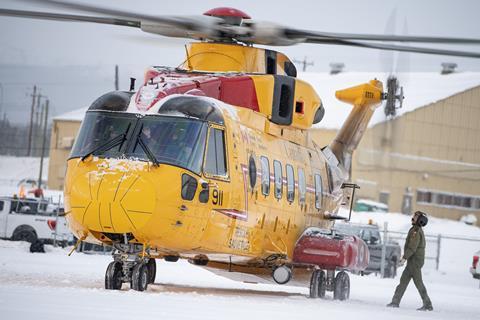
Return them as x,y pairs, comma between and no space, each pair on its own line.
108,144
148,152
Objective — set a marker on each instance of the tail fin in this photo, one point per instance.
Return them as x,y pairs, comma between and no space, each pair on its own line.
365,98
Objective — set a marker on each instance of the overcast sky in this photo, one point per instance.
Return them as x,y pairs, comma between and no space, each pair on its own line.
73,62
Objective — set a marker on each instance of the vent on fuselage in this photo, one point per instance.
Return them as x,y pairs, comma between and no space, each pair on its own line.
283,94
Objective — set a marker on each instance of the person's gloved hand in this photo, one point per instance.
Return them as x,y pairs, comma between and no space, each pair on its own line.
402,261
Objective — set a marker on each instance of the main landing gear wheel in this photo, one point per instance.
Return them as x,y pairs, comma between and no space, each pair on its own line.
317,284
140,277
151,270
113,276
342,286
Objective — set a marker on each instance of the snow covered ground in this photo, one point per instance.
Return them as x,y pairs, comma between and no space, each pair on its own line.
55,286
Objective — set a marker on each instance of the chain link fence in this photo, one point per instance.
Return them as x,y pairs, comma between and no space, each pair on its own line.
435,245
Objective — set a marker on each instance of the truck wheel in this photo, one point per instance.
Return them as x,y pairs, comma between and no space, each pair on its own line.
139,277
113,276
151,270
24,233
342,286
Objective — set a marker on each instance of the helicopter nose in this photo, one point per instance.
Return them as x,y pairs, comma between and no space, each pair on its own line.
112,201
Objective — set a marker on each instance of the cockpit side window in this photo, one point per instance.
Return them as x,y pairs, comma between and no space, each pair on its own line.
216,160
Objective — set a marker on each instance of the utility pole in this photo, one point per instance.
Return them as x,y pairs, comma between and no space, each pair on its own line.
45,121
34,95
304,62
116,77
37,126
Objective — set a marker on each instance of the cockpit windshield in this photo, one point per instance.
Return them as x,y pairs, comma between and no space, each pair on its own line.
99,133
161,139
176,141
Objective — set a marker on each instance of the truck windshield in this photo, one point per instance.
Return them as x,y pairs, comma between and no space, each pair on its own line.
175,141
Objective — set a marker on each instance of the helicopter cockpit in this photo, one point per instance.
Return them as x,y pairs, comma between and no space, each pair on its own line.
176,135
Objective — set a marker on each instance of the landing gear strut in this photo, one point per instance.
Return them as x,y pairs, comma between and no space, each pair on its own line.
320,282
130,268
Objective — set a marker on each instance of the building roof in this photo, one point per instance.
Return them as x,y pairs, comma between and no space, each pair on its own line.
420,89
75,115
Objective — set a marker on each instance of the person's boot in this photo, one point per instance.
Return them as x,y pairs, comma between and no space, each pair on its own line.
425,308
393,305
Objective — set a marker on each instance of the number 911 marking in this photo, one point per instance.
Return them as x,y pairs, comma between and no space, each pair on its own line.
217,197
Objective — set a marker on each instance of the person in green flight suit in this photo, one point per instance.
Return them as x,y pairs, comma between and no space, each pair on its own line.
414,255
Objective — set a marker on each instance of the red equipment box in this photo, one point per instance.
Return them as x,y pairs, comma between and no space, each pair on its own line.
331,250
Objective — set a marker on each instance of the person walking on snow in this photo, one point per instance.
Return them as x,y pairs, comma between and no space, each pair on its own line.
414,255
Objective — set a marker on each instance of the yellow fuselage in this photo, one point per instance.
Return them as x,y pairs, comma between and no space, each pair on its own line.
132,196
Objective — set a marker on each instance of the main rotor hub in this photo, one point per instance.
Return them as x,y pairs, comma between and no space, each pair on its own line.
230,15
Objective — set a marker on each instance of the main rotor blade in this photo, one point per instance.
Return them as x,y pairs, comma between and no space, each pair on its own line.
68,17
393,47
309,37
118,14
386,38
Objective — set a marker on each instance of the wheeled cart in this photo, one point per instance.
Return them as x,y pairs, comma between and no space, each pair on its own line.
328,252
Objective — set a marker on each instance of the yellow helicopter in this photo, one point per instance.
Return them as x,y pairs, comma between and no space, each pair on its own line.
213,161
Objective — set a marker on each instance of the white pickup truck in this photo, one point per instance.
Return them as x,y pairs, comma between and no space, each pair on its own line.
32,220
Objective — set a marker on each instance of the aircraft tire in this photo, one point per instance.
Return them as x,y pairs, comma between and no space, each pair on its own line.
317,284
151,270
113,276
139,277
342,286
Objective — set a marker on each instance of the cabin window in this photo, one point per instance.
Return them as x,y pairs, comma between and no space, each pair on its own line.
189,187
318,191
290,184
302,190
215,161
252,171
265,176
1,205
277,168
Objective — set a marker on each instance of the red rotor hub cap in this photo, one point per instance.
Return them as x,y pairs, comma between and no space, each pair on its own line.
227,12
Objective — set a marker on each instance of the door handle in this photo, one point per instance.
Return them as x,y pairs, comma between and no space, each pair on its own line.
183,207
